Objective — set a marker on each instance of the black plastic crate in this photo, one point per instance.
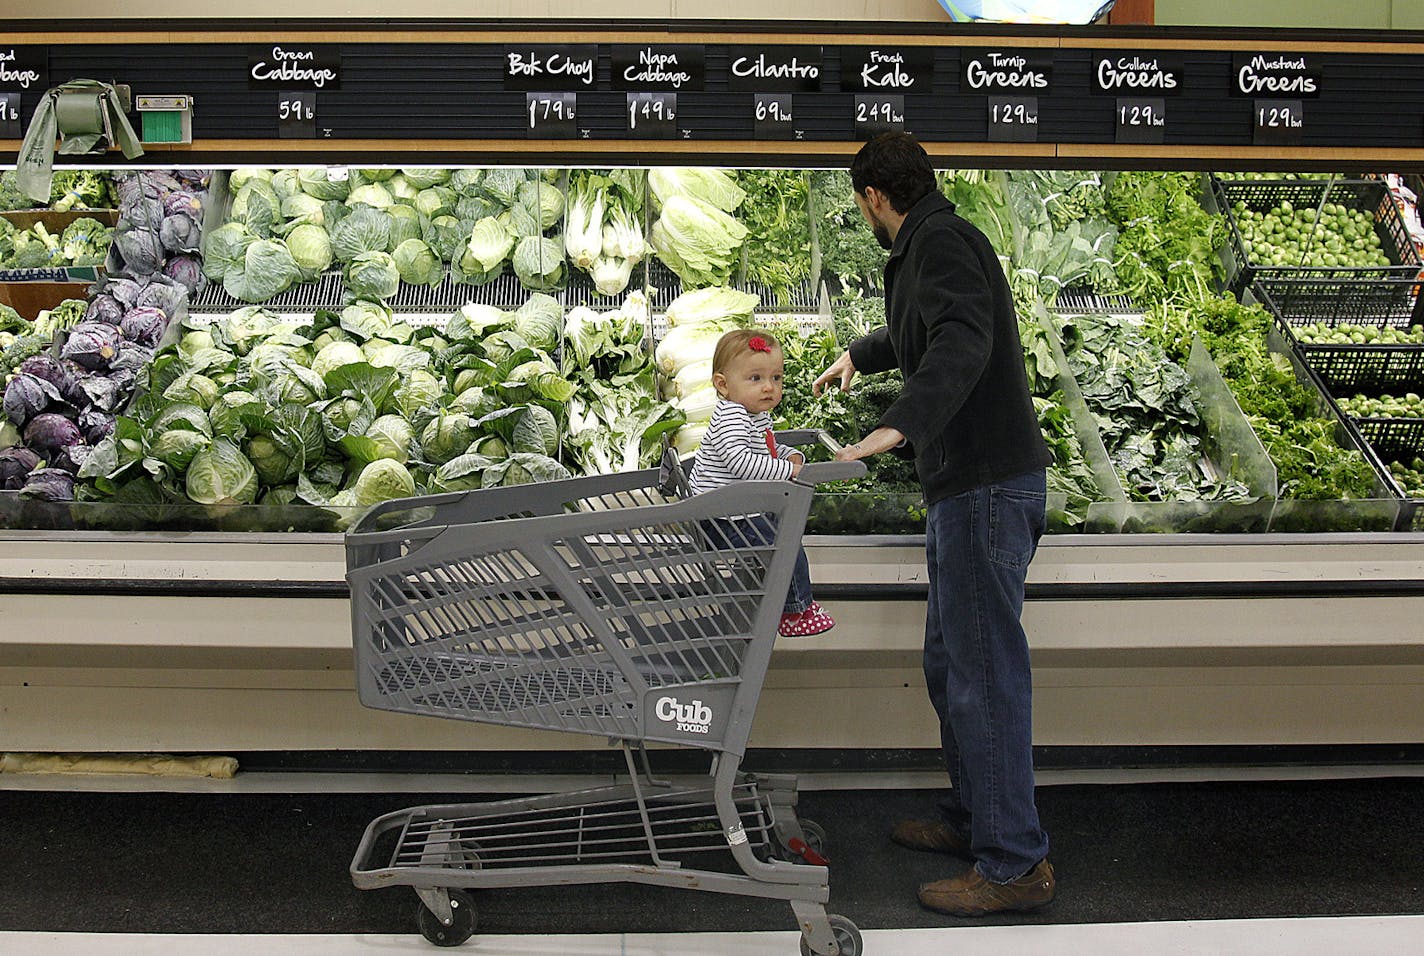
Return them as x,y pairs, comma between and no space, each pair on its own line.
1262,195
1350,369
1391,302
1397,439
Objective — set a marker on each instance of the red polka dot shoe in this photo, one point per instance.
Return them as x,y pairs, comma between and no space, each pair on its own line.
813,620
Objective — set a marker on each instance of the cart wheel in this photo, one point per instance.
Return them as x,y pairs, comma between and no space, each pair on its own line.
847,936
462,923
815,835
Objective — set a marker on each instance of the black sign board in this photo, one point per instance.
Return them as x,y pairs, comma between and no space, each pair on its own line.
24,68
1007,71
551,115
293,67
774,69
872,69
773,116
550,68
652,116
1260,75
879,113
1122,73
296,115
1277,123
1013,119
1141,119
10,116
649,66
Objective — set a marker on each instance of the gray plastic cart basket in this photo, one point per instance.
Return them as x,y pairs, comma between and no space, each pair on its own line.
610,605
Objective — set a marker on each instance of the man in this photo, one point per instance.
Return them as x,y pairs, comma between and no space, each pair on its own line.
966,412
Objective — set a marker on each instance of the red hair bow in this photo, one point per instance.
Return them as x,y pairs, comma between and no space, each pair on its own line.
758,344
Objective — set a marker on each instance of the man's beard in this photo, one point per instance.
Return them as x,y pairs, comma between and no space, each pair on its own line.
882,235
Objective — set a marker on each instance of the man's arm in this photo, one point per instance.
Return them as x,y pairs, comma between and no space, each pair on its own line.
873,352
956,305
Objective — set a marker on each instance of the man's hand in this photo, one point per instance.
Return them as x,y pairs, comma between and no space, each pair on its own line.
880,440
842,368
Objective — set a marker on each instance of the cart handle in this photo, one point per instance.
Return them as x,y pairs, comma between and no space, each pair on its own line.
822,471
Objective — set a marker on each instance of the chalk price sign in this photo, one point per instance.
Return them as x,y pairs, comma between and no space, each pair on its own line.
1141,119
1277,122
296,115
774,116
551,115
652,115
9,116
876,114
1013,119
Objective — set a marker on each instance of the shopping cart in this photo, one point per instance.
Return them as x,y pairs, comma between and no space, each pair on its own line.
612,605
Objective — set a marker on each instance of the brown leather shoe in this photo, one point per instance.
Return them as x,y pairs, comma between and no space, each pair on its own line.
932,836
970,894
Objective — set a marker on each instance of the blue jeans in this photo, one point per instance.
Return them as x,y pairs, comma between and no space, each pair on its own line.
759,531
979,544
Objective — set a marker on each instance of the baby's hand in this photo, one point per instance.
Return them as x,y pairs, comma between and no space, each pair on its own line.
797,457
796,464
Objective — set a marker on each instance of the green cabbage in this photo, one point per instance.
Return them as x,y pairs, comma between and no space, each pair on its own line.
447,436
372,275
405,224
221,474
539,263
310,248
316,183
417,264
366,229
383,480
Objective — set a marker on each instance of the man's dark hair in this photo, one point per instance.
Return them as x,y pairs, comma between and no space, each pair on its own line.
898,166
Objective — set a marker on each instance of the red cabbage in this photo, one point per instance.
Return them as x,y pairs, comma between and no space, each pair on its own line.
50,432
42,366
186,270
144,326
104,308
49,484
15,464
96,425
27,396
72,458
92,344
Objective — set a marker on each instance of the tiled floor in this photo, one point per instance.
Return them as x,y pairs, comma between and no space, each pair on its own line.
1379,936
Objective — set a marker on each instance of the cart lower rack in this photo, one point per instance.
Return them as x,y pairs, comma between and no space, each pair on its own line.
607,605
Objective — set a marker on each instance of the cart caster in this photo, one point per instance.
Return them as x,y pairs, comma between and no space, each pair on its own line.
812,849
462,921
848,941
815,836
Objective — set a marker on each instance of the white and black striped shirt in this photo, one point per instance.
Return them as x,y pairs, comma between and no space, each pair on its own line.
734,449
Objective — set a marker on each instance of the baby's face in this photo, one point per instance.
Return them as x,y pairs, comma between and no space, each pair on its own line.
753,380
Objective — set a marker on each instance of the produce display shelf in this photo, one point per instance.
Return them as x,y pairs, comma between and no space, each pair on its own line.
327,291
664,286
1383,511
1367,196
581,292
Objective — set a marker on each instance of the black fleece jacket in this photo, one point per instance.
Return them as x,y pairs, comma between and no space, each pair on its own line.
952,332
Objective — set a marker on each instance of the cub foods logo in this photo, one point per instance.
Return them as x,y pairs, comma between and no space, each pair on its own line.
693,718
